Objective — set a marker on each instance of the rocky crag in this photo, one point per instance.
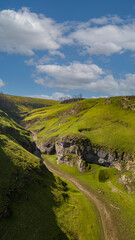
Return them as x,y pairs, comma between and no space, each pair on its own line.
78,150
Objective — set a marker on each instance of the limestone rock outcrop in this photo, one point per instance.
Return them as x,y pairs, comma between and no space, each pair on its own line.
78,150
73,149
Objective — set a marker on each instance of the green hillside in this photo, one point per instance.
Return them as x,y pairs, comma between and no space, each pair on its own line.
33,201
17,107
36,204
26,104
109,123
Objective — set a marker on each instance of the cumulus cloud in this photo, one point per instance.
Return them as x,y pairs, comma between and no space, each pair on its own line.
36,61
107,20
54,96
72,76
30,62
56,52
2,84
88,77
23,32
127,85
99,97
106,39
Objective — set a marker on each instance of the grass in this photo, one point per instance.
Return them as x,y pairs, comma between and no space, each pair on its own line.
73,217
18,107
39,205
104,183
26,104
34,203
109,125
50,211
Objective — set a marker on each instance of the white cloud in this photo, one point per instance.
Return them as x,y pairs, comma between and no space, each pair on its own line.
115,87
45,82
73,76
107,39
93,97
127,85
54,96
30,62
2,84
23,32
88,77
36,61
55,52
107,20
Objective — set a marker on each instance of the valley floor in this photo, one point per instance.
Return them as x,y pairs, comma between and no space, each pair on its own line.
109,231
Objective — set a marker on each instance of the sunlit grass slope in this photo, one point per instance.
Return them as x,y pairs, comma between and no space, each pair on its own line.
25,104
109,123
35,204
18,107
104,182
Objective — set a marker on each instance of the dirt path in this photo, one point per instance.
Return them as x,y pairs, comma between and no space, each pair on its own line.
108,226
109,230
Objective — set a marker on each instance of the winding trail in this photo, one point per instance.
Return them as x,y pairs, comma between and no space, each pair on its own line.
107,225
108,228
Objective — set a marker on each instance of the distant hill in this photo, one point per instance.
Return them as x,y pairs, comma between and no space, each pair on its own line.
17,107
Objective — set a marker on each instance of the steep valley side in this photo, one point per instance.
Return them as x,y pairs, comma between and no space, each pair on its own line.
92,141
33,201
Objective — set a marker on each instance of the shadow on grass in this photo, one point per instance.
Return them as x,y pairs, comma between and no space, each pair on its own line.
28,203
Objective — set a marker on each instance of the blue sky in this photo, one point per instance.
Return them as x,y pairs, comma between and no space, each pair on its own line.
51,49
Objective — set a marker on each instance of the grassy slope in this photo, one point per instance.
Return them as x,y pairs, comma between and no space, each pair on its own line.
107,188
25,104
108,123
36,204
18,107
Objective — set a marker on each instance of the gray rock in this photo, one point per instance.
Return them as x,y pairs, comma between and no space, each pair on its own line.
83,149
48,147
78,150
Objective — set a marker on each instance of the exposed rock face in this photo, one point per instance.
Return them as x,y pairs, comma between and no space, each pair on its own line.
48,147
100,157
78,150
83,150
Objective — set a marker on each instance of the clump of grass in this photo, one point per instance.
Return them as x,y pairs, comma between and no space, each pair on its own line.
103,175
